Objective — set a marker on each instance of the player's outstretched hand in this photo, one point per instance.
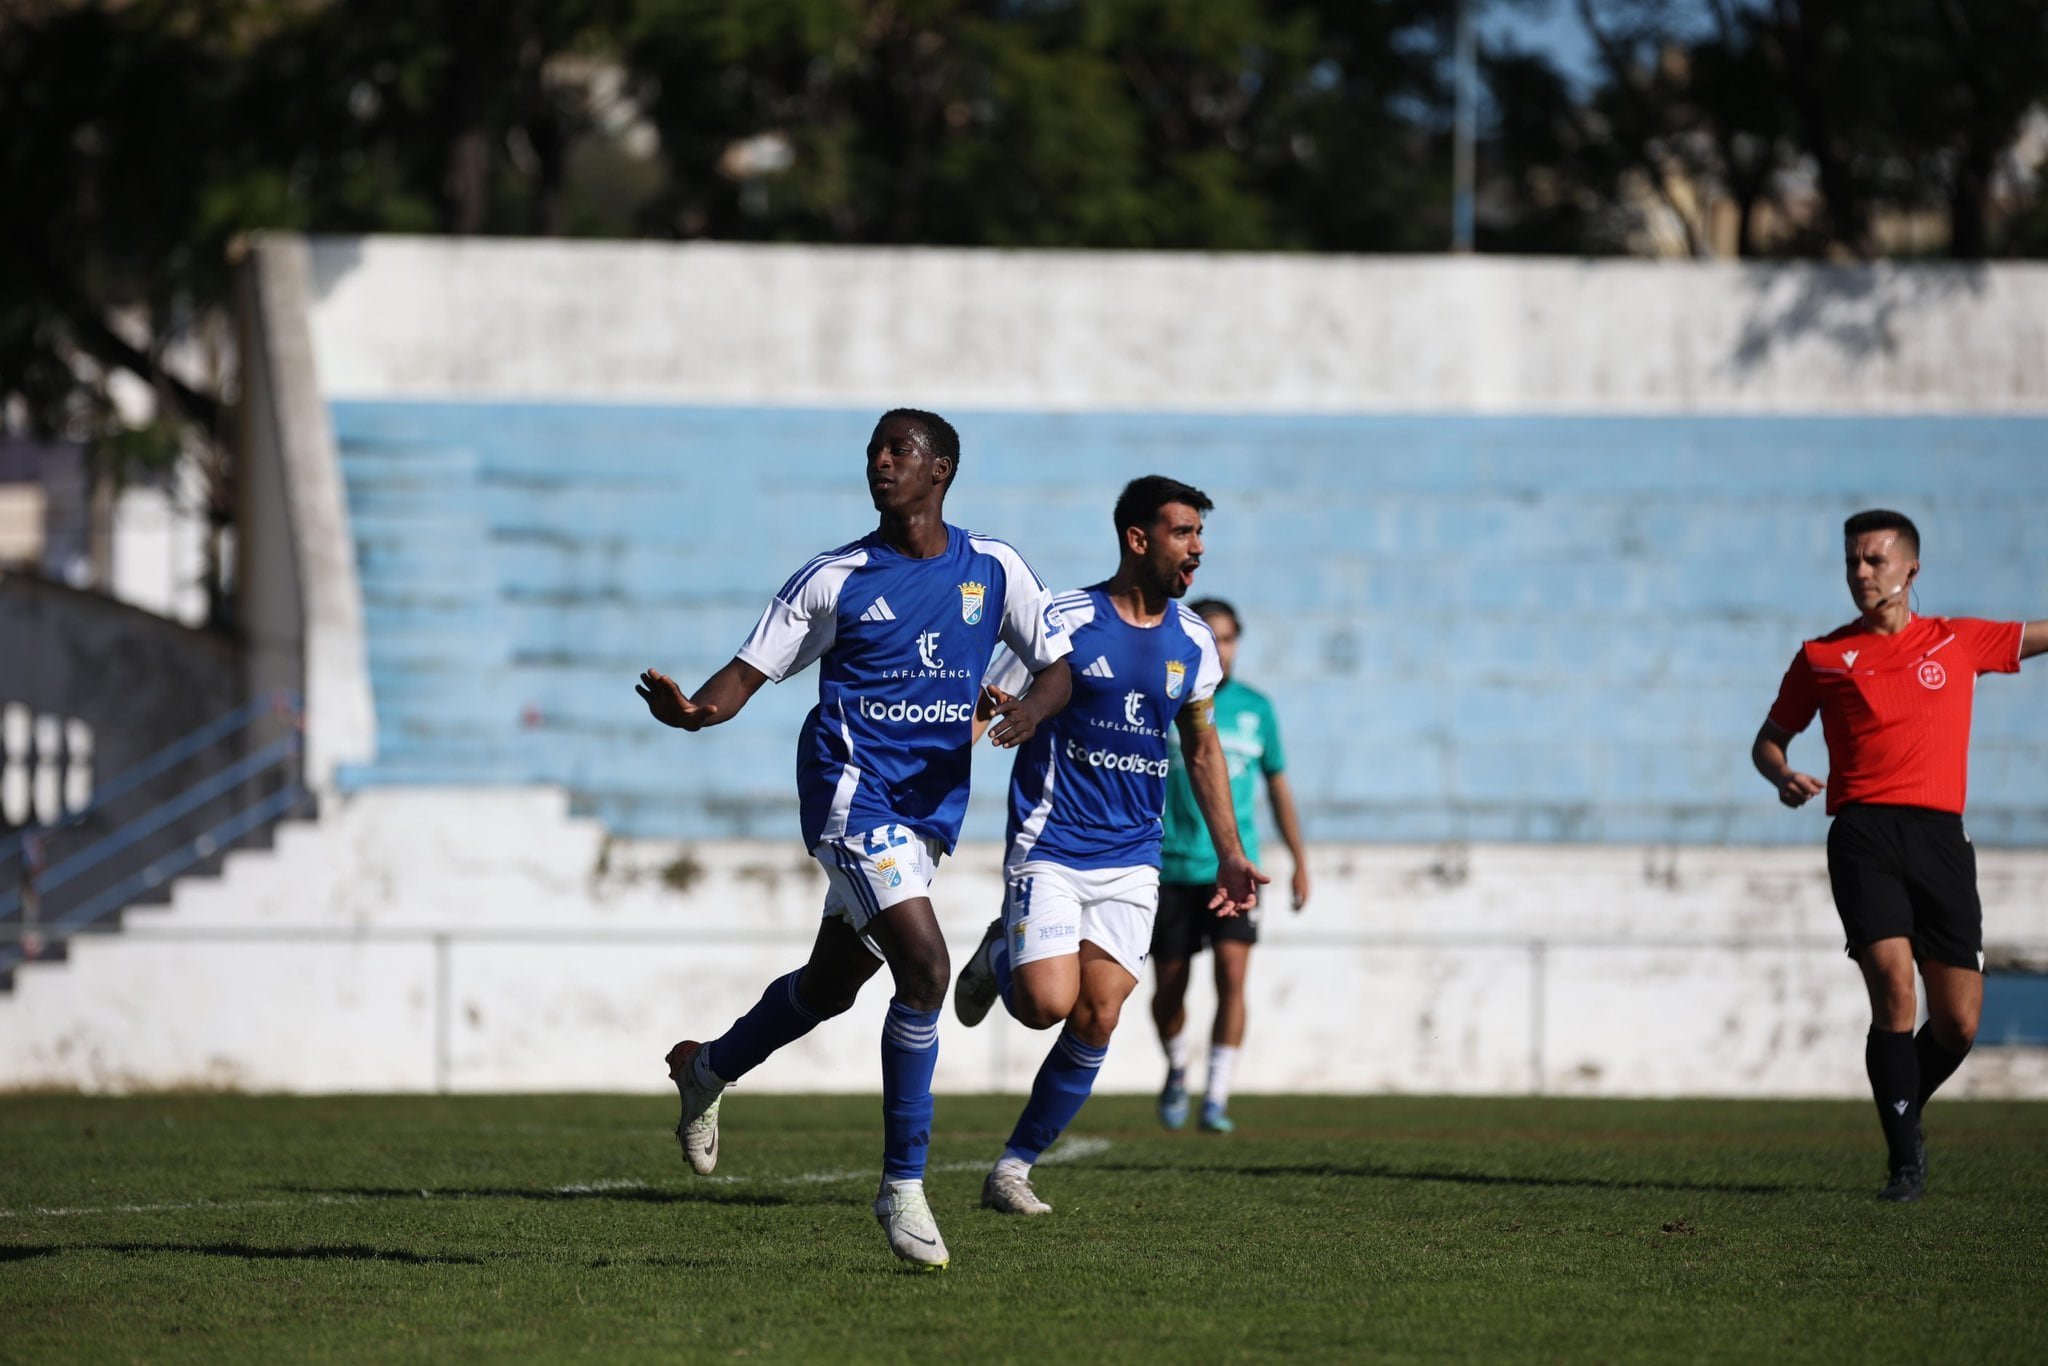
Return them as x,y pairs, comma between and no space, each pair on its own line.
1016,719
1237,886
1800,788
1300,886
670,707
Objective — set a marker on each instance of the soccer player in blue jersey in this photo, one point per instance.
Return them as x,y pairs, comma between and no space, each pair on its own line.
1086,793
900,623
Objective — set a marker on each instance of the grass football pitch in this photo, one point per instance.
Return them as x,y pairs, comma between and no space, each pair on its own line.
196,1227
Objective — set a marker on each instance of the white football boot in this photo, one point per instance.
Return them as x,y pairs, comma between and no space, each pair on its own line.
697,1130
975,990
905,1215
1008,1191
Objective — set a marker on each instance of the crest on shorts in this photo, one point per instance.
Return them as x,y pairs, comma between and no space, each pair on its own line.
1932,675
1176,677
887,868
972,595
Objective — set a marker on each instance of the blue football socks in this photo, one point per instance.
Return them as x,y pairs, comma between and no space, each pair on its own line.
1057,1094
910,1052
779,1017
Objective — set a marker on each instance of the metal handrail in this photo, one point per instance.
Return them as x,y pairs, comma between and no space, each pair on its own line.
41,924
278,703
199,793
171,864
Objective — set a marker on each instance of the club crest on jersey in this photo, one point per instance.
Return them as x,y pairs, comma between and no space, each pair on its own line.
887,868
1932,675
971,597
1176,675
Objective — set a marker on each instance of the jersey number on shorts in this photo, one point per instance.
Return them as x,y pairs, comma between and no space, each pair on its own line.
897,835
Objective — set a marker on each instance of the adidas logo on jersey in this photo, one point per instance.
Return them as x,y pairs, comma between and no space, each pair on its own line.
878,610
1100,668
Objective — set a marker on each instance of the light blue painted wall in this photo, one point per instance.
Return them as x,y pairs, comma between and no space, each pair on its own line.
1548,629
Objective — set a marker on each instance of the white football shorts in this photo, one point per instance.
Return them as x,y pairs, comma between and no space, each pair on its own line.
1048,909
868,873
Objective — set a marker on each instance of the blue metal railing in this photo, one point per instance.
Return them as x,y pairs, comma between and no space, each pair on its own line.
142,837
165,759
177,861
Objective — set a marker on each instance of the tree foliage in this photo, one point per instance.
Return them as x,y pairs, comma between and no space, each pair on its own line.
143,138
1831,127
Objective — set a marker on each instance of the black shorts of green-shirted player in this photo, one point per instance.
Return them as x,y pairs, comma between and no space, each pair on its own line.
1893,691
1249,729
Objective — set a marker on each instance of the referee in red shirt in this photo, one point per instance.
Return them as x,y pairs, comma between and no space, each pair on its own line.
1893,691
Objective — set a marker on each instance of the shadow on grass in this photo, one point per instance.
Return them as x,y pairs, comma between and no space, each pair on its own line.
641,1195
349,1252
1373,1173
345,1253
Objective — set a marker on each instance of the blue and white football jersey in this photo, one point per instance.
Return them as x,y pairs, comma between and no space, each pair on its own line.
1088,788
902,644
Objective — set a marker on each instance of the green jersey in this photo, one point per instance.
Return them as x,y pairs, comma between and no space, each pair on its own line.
1250,732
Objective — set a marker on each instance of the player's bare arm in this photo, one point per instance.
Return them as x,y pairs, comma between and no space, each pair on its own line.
1237,878
2034,638
985,710
1016,720
1281,794
719,699
1795,789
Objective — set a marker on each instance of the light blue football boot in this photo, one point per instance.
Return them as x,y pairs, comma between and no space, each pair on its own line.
1173,1100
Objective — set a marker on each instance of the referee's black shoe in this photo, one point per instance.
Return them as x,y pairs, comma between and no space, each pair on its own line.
1909,1180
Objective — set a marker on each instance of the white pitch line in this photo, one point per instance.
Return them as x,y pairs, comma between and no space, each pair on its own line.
1069,1150
183,1205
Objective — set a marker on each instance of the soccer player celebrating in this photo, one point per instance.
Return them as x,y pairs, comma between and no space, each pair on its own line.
1082,862
1250,734
1893,691
901,622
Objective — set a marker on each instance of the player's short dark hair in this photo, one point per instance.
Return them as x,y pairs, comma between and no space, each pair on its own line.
1138,505
1216,607
1882,519
939,436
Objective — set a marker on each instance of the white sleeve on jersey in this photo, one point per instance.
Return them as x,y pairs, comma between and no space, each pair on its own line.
1209,671
1007,672
1073,610
1032,626
801,622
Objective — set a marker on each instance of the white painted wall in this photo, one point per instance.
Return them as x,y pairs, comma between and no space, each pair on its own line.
159,551
483,941
300,603
722,323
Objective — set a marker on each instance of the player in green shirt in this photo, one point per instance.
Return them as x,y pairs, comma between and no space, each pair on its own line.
1250,732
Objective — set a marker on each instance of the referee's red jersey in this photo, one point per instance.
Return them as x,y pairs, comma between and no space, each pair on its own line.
1896,709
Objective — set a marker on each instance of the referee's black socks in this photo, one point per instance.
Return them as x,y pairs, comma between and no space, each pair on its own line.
1894,1066
1937,1064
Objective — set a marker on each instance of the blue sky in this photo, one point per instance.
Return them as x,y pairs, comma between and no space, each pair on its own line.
1553,27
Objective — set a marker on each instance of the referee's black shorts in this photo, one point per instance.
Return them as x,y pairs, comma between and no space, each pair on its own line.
1185,925
1906,871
